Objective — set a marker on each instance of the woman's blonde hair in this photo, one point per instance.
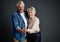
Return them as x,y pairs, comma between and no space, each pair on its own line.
31,9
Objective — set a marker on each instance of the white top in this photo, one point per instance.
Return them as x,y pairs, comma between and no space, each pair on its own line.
24,18
33,26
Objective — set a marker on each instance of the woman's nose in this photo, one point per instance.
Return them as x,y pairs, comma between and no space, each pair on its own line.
30,13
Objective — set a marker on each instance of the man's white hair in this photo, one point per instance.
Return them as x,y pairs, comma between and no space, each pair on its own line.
19,2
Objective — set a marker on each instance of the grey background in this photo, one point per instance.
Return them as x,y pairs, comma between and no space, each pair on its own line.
47,11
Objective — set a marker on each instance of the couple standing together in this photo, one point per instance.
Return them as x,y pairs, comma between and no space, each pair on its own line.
25,23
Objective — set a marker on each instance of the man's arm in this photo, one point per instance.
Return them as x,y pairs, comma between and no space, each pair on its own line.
15,23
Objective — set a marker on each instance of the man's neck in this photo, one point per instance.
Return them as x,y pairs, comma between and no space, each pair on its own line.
21,11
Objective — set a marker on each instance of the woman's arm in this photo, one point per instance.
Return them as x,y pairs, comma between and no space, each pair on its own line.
35,27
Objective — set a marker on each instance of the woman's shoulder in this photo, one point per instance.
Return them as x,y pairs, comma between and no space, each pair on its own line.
37,18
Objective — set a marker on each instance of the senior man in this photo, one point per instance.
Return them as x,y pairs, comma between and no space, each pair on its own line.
19,19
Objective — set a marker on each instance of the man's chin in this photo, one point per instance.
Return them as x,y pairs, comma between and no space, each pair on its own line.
20,11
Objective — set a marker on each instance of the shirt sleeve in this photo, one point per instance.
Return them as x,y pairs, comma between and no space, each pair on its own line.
35,27
15,22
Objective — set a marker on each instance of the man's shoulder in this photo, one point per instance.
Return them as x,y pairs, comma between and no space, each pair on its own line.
25,11
14,13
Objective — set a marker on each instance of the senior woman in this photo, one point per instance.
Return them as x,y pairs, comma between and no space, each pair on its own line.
33,30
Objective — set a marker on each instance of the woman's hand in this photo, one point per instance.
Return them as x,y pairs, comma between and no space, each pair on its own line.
28,31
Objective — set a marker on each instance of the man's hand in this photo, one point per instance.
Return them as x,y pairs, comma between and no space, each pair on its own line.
23,30
18,29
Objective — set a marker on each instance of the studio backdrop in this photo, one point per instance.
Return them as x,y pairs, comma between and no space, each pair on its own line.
47,12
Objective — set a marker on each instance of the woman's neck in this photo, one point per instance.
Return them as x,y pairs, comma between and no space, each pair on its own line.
32,18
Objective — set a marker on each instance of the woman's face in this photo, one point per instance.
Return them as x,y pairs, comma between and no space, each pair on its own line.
31,14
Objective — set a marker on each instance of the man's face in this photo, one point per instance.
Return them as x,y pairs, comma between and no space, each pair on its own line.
21,8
